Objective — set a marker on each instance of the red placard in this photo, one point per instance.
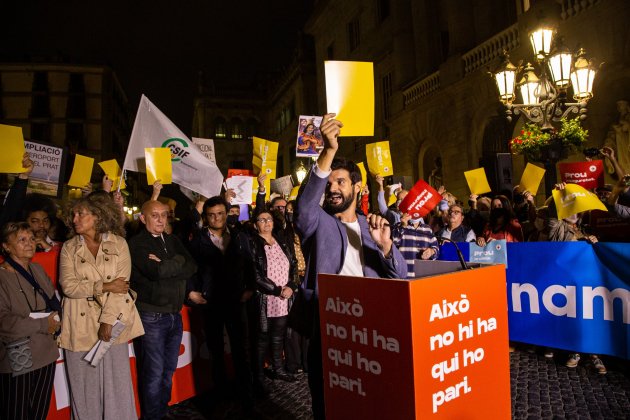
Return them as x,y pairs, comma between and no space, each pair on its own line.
239,172
422,198
586,174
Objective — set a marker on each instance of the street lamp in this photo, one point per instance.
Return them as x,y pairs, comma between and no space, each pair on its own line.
544,95
300,173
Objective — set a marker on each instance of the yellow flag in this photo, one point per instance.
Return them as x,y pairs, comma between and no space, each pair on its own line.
350,94
265,158
81,172
12,154
477,181
530,180
575,199
379,159
294,193
159,165
363,173
113,172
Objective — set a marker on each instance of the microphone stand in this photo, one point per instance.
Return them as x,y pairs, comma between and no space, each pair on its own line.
460,256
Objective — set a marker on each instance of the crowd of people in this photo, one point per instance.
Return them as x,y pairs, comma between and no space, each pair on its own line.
120,281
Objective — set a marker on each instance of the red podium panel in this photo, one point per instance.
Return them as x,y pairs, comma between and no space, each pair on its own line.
410,349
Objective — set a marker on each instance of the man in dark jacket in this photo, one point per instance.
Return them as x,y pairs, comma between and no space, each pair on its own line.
225,280
161,267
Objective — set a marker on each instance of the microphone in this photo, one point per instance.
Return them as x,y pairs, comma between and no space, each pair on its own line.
460,256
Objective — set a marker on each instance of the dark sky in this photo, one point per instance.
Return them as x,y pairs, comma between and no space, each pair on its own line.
158,47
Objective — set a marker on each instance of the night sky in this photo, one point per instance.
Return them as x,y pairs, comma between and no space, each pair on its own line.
158,47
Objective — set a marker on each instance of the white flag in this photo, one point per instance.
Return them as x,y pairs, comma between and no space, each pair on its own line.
191,169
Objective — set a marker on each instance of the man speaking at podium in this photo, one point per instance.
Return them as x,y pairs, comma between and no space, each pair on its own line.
337,240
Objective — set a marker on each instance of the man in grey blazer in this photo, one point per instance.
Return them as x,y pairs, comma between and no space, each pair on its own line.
338,240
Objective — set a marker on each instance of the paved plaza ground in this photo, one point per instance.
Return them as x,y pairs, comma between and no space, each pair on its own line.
541,389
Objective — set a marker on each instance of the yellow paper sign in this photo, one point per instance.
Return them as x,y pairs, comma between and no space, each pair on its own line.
159,165
265,157
575,199
113,172
81,172
363,173
350,94
477,181
294,193
379,159
530,180
12,154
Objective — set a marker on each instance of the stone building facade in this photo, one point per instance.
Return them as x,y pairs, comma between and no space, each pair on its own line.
434,98
82,108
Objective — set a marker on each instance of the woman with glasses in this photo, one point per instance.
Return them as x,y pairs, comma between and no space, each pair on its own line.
275,268
28,324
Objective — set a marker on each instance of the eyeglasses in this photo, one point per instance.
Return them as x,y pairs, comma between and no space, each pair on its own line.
263,220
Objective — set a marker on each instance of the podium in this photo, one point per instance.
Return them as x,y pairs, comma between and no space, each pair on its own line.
432,347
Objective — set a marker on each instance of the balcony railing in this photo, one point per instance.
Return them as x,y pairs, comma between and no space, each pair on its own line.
421,89
489,50
571,8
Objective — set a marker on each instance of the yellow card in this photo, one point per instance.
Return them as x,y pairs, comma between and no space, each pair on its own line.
81,172
12,154
113,172
530,180
477,181
159,165
350,94
575,199
255,189
379,159
294,193
265,158
363,173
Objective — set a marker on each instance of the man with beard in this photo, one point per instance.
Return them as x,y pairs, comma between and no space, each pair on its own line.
337,240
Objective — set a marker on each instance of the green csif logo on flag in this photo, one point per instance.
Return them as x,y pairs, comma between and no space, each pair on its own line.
178,148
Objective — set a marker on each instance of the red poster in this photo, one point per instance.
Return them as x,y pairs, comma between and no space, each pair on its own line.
239,172
586,174
422,198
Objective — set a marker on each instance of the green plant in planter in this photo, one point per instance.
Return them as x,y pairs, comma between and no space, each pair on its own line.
538,145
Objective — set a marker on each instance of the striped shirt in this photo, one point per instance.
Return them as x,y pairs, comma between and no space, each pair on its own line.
411,241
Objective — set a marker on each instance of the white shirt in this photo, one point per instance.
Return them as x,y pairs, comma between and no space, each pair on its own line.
353,263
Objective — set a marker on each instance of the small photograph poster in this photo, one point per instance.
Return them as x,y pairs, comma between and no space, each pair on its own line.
309,141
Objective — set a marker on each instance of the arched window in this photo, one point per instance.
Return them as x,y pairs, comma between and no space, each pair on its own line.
220,129
251,128
237,129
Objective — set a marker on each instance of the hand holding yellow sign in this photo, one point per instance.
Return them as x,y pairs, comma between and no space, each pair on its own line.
350,94
113,172
477,181
574,199
379,159
159,165
81,172
12,149
265,157
530,180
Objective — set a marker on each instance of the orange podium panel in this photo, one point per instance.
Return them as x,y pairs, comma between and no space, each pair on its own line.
432,347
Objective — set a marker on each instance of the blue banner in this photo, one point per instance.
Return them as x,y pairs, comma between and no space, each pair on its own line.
567,295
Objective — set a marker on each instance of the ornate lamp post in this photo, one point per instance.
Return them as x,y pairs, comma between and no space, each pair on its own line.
545,95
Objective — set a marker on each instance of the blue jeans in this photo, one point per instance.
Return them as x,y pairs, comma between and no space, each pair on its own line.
157,352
